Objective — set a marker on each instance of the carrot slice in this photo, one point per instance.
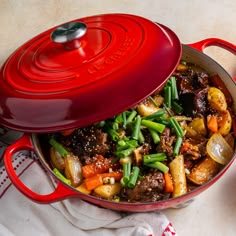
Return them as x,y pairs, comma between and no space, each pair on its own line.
169,186
185,146
212,123
93,182
102,165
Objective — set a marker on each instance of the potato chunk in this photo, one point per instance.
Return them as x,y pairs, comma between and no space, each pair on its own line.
198,124
108,190
145,110
216,99
204,171
177,171
82,188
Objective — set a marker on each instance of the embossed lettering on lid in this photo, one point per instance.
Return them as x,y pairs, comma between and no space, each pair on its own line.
81,78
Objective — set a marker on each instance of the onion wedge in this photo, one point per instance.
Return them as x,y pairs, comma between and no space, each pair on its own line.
218,149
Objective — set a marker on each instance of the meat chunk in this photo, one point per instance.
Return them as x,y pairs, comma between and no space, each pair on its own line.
166,142
149,189
88,141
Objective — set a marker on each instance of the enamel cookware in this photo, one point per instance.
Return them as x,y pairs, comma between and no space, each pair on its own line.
88,70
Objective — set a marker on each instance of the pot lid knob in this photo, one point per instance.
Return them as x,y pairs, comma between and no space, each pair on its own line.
69,34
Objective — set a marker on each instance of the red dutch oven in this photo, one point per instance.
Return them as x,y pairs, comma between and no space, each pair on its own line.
86,71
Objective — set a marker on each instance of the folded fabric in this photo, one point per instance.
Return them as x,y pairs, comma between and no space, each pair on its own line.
20,216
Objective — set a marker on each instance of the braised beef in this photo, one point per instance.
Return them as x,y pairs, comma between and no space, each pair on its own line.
203,80
192,95
149,189
200,102
196,149
166,142
191,80
88,141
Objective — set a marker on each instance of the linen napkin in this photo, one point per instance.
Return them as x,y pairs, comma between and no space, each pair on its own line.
20,216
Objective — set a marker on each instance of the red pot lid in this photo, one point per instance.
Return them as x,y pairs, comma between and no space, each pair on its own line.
85,71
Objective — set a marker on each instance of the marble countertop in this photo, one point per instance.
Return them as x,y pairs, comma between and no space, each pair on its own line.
214,211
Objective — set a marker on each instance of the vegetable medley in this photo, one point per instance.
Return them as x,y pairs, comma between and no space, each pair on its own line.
174,141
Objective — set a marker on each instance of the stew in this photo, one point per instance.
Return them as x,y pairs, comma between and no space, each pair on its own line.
174,141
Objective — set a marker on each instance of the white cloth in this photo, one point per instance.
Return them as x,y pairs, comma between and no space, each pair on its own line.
20,216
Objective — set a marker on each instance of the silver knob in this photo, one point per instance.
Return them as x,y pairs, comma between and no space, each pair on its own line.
69,34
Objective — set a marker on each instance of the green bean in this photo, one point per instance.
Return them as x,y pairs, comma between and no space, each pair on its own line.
153,125
175,125
177,146
119,118
158,114
149,158
141,138
174,91
124,120
124,144
121,143
177,108
131,116
155,136
133,177
114,135
61,176
126,174
125,152
136,127
167,95
158,165
115,126
163,121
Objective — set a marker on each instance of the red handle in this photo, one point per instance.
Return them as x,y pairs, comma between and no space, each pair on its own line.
201,45
61,192
214,42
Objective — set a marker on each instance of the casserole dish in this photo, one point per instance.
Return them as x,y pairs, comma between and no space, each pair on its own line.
192,53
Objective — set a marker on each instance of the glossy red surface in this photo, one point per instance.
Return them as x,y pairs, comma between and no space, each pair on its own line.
121,60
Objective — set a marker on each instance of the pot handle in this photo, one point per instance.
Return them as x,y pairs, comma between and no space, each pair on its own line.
24,143
201,45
